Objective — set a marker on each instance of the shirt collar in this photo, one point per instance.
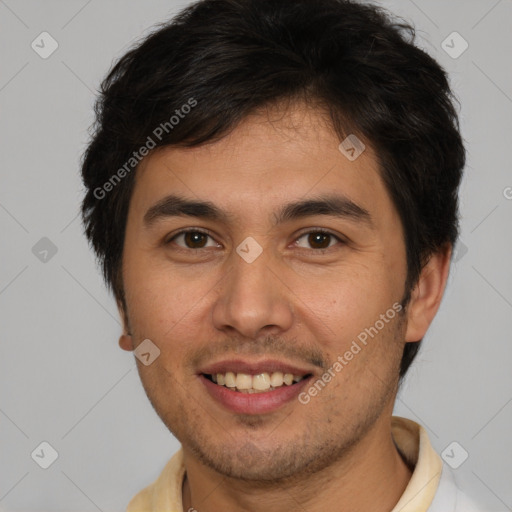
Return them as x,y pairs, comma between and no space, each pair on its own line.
414,445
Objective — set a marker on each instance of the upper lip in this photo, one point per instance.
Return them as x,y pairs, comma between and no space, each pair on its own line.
253,367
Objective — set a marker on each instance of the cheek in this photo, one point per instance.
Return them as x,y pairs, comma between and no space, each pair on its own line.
340,306
160,295
341,292
170,308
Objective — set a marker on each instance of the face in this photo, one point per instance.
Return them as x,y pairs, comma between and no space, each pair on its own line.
260,286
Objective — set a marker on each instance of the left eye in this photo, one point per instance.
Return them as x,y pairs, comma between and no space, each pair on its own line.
319,239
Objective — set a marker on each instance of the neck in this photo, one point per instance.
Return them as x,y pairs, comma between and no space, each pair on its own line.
372,476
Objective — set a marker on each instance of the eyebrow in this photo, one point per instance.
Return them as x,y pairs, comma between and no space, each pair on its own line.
333,205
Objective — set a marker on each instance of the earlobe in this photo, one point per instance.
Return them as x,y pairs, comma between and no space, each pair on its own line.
125,342
427,294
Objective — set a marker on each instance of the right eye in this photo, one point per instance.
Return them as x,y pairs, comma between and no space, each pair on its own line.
193,239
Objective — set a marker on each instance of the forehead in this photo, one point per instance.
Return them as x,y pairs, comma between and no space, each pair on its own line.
271,157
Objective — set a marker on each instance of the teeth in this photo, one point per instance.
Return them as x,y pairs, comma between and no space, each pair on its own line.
230,380
243,381
276,379
262,382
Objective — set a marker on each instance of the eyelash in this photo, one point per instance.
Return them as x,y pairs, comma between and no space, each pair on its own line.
196,230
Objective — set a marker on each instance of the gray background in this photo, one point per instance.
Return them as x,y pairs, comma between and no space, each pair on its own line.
63,378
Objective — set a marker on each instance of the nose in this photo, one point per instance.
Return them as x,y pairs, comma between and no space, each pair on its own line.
253,299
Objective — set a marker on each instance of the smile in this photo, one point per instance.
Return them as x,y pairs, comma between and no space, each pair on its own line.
250,400
260,383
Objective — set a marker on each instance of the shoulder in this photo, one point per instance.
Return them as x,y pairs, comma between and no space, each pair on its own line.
450,497
165,492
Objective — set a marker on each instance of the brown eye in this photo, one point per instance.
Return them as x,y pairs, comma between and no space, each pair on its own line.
318,240
191,239
195,239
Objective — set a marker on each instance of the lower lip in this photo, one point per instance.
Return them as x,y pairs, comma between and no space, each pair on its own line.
253,403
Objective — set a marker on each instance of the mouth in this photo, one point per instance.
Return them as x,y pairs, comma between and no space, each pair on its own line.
253,384
245,387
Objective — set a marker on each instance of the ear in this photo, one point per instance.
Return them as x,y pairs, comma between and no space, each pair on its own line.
125,340
427,294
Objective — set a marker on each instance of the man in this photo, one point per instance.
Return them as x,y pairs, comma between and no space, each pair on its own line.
272,192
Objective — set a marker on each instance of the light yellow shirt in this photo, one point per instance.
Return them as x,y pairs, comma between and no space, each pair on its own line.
411,439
